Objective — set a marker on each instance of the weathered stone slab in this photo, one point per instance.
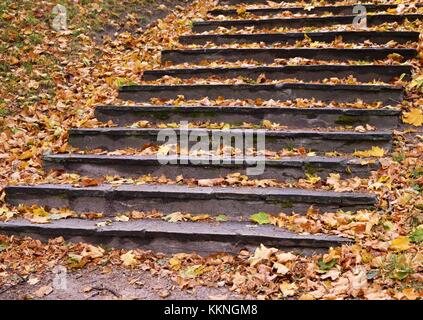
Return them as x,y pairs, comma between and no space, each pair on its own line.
336,10
388,95
237,203
268,55
187,237
363,73
293,117
287,168
341,141
372,20
379,37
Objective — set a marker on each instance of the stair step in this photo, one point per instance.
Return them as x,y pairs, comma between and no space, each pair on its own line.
337,10
135,166
341,141
161,236
234,202
292,117
379,37
388,95
363,73
372,20
249,2
268,55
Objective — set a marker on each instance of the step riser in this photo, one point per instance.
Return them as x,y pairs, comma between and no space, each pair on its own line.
351,37
111,141
294,118
388,96
300,22
169,244
269,55
235,207
175,242
135,169
364,74
338,10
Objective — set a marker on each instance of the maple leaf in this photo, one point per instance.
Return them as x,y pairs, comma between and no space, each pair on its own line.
174,217
260,218
285,257
91,182
312,179
92,252
129,259
175,263
280,268
400,244
267,124
200,217
287,289
192,271
241,10
413,117
221,218
373,152
261,254
121,218
43,291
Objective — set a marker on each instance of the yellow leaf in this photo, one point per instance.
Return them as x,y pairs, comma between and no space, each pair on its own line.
400,244
200,217
267,124
92,252
121,218
261,253
39,212
26,155
410,293
287,289
373,152
175,264
306,296
414,117
241,10
128,259
312,179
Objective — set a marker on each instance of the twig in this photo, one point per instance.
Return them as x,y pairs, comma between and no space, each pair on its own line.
106,289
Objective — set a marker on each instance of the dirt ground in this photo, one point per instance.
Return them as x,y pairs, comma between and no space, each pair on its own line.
118,284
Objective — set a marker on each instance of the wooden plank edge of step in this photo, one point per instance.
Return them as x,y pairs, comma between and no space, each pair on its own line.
160,236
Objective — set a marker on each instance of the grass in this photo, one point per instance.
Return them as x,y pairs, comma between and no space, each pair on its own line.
27,28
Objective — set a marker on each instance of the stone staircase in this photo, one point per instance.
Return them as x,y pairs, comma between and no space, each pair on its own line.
304,130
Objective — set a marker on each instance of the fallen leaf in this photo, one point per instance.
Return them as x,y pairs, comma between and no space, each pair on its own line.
43,291
129,259
260,218
261,254
413,117
400,244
